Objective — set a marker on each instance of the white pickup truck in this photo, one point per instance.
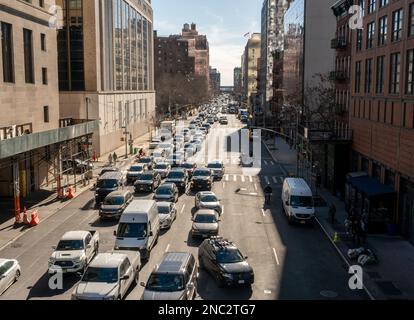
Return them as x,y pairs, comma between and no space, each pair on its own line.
74,252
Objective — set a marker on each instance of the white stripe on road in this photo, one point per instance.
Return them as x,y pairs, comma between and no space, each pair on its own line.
265,162
276,257
242,178
272,163
255,186
168,248
235,178
267,179
222,210
182,209
251,178
274,179
226,177
224,185
263,213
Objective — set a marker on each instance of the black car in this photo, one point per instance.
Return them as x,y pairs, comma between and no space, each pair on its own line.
167,192
202,179
108,169
224,261
147,182
179,177
108,183
149,161
189,166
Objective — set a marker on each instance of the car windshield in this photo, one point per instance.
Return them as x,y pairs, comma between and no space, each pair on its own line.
298,201
101,275
187,165
165,146
146,176
69,245
161,166
145,160
163,190
229,256
163,209
202,173
107,183
165,282
132,230
176,175
136,168
215,166
205,218
209,198
114,201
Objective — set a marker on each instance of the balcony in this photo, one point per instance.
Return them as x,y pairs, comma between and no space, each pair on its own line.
338,76
338,43
319,132
14,131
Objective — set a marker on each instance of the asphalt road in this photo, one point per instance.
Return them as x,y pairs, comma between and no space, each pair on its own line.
290,262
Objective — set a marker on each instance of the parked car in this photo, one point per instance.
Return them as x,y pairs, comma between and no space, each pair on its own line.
134,171
167,212
224,261
208,200
174,278
217,169
205,223
149,161
167,192
189,166
179,177
109,276
206,126
109,182
74,252
138,228
163,168
10,272
114,204
147,182
202,179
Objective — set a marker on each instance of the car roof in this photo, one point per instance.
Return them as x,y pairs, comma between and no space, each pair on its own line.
173,262
206,212
164,204
121,193
111,175
207,193
177,169
108,260
167,185
139,206
74,235
299,186
216,162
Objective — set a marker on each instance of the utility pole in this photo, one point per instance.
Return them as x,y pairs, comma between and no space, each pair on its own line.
126,131
87,108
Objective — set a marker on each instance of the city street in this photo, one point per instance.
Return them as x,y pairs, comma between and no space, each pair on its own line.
290,262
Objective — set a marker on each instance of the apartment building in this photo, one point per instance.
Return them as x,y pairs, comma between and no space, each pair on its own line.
249,68
106,67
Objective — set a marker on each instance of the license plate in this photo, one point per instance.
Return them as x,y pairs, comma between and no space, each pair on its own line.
303,222
242,282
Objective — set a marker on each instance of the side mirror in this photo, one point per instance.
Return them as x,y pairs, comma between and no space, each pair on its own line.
151,234
88,246
287,203
54,247
190,286
142,284
246,257
125,277
115,233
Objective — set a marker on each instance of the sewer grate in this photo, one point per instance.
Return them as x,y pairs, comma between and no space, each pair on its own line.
328,294
388,288
374,275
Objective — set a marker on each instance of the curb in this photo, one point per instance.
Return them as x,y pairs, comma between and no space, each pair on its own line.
285,172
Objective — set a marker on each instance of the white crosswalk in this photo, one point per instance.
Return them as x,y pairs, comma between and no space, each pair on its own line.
253,179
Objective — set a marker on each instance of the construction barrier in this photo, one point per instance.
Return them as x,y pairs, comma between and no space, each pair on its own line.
25,218
34,218
69,195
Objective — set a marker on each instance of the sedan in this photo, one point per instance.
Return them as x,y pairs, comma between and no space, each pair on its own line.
147,182
217,169
208,200
167,212
149,161
134,171
163,169
9,273
205,224
167,192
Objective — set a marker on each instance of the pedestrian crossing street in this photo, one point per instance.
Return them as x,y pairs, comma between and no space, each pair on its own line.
254,179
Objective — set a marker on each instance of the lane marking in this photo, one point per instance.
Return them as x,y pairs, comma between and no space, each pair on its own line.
226,177
224,185
235,178
222,210
182,209
263,213
274,180
272,163
168,248
276,257
242,178
251,178
267,179
265,162
255,186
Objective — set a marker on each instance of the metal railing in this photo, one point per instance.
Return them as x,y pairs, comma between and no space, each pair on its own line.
320,132
338,43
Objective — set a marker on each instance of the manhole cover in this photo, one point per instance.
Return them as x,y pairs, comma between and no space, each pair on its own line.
329,294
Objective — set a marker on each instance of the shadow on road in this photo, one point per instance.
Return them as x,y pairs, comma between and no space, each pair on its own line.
41,288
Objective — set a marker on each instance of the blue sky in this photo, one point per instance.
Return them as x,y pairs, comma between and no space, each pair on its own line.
225,22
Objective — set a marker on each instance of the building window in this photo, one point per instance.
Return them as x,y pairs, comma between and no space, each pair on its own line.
380,74
43,41
376,171
359,40
370,34
383,3
44,76
362,6
371,6
7,52
358,77
397,24
368,75
389,178
411,21
382,34
46,114
410,72
395,73
28,56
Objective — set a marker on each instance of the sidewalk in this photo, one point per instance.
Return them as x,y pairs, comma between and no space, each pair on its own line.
393,277
48,206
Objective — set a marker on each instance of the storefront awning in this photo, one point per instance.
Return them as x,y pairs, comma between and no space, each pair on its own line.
370,186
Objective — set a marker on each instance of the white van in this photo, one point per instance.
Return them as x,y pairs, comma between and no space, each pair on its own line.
138,228
297,201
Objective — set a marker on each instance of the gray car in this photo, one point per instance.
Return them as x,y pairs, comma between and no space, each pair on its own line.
115,204
205,224
217,169
208,200
167,192
163,169
167,212
175,278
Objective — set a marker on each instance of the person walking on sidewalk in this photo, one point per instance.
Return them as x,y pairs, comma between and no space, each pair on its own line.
110,159
115,157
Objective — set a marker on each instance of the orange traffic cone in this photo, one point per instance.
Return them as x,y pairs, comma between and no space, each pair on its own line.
25,219
35,219
69,195
18,219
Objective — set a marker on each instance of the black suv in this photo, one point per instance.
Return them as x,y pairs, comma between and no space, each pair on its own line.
179,177
107,183
149,161
202,179
147,182
223,260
